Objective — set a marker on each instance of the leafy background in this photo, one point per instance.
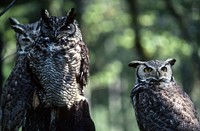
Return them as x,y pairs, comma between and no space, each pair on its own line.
117,32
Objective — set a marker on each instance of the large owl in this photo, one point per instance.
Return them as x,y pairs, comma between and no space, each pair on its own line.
159,102
59,62
59,59
18,89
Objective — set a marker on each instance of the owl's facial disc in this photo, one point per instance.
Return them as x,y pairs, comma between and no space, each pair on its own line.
161,74
153,70
165,73
150,74
155,74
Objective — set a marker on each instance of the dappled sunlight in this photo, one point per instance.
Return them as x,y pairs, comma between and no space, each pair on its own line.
164,45
106,76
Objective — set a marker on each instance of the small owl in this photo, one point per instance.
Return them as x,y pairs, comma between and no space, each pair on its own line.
26,35
159,102
18,89
59,59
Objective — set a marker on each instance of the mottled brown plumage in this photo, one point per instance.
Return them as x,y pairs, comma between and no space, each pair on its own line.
18,89
59,60
159,103
45,88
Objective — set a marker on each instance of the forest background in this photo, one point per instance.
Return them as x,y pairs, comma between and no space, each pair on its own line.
117,32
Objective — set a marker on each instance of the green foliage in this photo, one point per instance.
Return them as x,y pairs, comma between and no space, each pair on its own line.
164,45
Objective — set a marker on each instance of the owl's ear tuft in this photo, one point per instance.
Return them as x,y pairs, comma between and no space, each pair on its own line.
19,28
171,61
71,16
135,64
13,21
45,15
16,26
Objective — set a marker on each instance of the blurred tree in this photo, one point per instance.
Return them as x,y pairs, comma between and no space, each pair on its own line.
134,10
1,61
185,22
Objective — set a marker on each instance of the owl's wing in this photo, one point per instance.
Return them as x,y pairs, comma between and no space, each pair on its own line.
185,105
84,69
16,97
168,108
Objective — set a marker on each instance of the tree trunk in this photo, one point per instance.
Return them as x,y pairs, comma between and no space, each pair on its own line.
134,10
1,59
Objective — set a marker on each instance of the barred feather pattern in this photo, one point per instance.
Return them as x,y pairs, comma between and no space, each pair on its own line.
52,68
59,59
57,67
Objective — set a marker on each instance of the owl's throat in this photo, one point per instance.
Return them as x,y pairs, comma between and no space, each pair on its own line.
154,80
157,80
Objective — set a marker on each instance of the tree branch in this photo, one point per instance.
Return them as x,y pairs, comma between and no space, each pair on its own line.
1,73
7,8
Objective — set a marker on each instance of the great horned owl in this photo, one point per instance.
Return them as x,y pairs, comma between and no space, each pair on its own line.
159,102
18,89
60,60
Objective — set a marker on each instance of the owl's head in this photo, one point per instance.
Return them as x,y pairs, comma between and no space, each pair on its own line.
25,33
57,28
154,70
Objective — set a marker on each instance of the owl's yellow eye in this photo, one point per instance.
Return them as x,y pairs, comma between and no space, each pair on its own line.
148,69
164,69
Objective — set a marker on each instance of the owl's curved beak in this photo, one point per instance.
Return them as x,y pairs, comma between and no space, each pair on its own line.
157,75
156,78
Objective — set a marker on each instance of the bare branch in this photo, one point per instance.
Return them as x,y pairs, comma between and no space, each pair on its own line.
7,8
